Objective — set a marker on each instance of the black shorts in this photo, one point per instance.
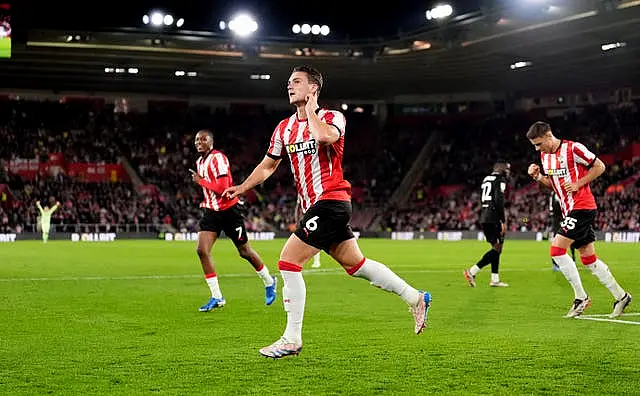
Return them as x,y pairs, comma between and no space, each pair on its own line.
493,232
578,225
231,221
326,224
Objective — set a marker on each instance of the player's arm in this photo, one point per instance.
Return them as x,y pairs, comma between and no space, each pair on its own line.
534,172
261,173
219,168
498,199
39,206
55,207
586,158
597,168
322,132
217,186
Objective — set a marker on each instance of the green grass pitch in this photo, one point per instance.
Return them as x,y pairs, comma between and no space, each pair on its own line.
122,318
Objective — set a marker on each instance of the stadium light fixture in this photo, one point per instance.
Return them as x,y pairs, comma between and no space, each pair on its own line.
306,28
260,76
157,19
182,73
243,25
439,12
612,46
519,65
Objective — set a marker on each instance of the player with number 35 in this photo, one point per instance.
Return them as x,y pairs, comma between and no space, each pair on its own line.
568,168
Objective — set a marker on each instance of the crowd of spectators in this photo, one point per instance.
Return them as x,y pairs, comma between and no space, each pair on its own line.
158,146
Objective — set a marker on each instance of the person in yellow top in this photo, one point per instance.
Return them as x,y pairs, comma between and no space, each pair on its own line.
45,219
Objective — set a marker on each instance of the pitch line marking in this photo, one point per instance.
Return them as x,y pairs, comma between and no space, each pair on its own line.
607,315
320,271
608,320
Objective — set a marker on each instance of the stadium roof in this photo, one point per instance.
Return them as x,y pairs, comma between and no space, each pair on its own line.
550,49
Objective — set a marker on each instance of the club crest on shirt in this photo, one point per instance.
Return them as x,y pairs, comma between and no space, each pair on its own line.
307,147
560,172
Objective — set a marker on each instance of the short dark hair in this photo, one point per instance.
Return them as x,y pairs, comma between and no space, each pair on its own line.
500,165
538,129
208,132
314,75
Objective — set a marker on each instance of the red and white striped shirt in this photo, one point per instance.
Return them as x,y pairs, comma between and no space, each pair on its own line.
569,163
214,167
317,170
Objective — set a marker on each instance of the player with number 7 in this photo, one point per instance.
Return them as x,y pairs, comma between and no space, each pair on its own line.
221,214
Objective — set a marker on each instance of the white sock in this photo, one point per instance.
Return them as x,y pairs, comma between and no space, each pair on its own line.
294,295
570,271
495,278
474,270
381,276
265,276
316,260
604,275
214,286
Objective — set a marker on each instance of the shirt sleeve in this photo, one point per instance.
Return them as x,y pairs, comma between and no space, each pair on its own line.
275,145
221,166
336,119
582,155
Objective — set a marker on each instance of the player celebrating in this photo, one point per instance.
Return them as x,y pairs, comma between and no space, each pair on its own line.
493,223
313,139
222,214
45,219
568,168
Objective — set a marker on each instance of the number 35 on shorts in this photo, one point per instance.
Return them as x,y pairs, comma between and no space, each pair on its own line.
569,223
312,224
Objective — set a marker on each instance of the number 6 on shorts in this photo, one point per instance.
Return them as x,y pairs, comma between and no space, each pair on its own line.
312,224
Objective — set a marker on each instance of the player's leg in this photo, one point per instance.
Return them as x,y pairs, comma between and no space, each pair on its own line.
568,268
495,265
554,266
347,253
294,294
210,228
488,258
206,239
235,229
601,271
45,232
